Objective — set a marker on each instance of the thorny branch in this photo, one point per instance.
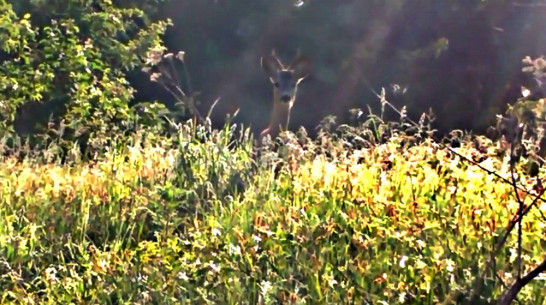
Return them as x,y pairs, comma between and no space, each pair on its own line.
511,293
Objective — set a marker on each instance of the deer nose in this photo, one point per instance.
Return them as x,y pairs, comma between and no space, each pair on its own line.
285,98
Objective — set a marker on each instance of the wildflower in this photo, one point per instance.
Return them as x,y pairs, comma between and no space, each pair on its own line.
402,297
449,265
142,278
145,296
51,274
182,276
266,287
215,267
234,249
402,262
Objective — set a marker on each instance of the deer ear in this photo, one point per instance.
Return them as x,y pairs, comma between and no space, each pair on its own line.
271,65
301,67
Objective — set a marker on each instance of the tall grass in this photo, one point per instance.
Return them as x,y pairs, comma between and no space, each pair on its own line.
207,217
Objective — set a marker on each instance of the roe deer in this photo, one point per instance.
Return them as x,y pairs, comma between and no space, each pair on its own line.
285,82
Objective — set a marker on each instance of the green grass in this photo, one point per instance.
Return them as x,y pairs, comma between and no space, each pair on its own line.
210,222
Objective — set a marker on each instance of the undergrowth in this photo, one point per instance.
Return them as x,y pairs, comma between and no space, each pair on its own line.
209,217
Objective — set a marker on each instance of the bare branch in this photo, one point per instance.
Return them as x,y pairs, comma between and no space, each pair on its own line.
513,291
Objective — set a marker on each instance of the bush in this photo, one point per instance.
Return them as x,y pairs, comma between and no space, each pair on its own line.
66,62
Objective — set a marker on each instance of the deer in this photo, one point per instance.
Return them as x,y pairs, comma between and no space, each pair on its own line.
285,82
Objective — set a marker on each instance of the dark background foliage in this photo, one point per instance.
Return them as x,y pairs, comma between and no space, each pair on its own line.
462,58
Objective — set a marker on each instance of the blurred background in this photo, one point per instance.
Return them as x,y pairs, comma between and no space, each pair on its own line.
459,58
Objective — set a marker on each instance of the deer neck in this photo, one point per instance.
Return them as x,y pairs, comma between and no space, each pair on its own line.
280,116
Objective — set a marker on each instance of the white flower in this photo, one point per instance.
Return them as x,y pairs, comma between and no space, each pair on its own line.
142,278
402,262
449,265
51,274
102,264
215,267
402,297
182,276
266,287
234,249
145,296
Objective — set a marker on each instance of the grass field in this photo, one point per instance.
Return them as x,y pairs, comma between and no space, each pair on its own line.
193,221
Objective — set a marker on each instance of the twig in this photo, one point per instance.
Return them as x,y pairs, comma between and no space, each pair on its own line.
383,100
187,77
520,282
479,282
513,291
212,107
505,286
520,202
492,172
511,294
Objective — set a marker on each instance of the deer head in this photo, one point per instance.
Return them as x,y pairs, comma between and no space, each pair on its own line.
285,82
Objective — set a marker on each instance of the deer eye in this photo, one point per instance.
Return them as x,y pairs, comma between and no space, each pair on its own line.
276,84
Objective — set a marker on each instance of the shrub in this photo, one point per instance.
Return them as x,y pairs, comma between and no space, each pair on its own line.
63,65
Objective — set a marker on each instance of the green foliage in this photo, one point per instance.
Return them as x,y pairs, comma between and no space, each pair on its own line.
67,60
206,218
372,214
524,125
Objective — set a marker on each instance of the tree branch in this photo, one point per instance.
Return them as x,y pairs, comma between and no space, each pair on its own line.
514,289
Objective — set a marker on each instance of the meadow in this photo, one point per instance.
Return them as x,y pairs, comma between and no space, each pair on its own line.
110,194
209,217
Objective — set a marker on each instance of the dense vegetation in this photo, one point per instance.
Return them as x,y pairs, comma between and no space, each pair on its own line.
103,203
63,65
200,219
